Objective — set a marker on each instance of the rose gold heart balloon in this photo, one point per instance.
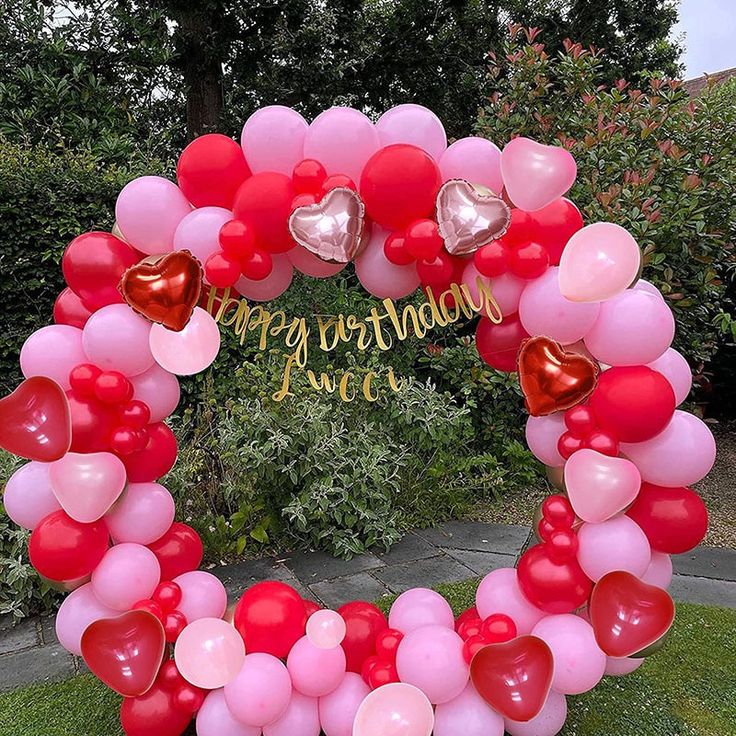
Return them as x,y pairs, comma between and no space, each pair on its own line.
332,229
469,218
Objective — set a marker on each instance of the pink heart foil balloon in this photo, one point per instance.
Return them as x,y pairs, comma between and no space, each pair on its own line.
332,228
600,487
469,218
535,175
87,484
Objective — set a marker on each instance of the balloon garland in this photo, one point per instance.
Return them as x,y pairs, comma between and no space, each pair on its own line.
591,343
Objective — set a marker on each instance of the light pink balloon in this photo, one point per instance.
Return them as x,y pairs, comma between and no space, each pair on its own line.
326,629
467,715
621,666
616,544
380,277
199,230
633,328
681,455
28,496
579,661
274,285
143,514
148,211
476,160
260,692
549,722
273,139
52,352
418,607
214,718
673,366
87,484
337,709
506,289
301,718
659,572
202,595
158,389
644,285
307,263
190,350
598,262
315,671
415,125
397,709
115,338
542,435
126,574
77,611
499,592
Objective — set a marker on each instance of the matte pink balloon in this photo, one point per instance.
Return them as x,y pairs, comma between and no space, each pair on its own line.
52,352
598,262
621,666
397,709
214,718
274,285
644,285
326,629
77,611
380,277
273,139
616,544
467,715
315,671
189,351
307,263
549,722
506,289
300,719
202,595
415,125
418,607
659,572
148,211
199,230
158,389
542,435
28,496
126,574
499,592
143,514
337,709
673,366
476,160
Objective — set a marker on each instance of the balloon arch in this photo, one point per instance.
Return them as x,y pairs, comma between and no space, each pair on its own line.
591,343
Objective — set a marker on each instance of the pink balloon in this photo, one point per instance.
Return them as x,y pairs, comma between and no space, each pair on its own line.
397,709
126,574
337,709
633,328
579,661
307,263
158,389
52,352
190,350
599,262
542,434
681,455
644,285
202,595
326,629
260,692
315,671
418,607
499,592
476,160
199,230
214,718
28,496
342,140
143,514
148,211
659,572
676,370
506,289
77,611
115,338
301,718
467,715
415,125
380,277
548,722
616,544
274,285
273,139
618,667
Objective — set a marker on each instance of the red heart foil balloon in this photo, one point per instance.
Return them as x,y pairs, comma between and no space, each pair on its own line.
515,677
35,421
125,652
164,289
628,615
553,379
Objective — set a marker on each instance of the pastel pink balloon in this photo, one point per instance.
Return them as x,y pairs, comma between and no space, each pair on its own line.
326,629
549,722
542,435
87,484
644,285
28,496
77,611
307,263
190,350
148,211
202,595
419,607
315,671
499,592
380,277
214,718
616,544
600,486
273,139
431,658
199,230
158,389
536,175
397,709
506,289
115,338
52,352
301,718
126,574
476,160
659,572
544,311
260,693
209,653
579,661
143,514
337,709
467,715
342,140
274,285
633,328
599,262
673,366
415,125
680,455
621,666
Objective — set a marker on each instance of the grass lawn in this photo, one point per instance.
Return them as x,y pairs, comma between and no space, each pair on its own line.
688,689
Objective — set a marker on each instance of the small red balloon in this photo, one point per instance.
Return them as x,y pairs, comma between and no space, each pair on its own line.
311,607
472,645
554,225
221,270
382,673
92,423
387,644
82,379
237,239
69,309
153,714
558,511
308,176
394,248
112,387
178,551
189,699
520,230
150,607
135,414
169,676
498,628
156,459
528,261
498,344
493,259
470,627
363,622
174,623
436,272
335,181
580,420
258,265
423,241
468,613
167,595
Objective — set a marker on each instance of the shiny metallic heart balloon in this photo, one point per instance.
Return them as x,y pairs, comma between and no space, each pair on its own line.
469,218
332,229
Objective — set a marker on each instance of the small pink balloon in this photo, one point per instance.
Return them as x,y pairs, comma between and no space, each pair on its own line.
209,653
616,544
397,709
301,718
467,715
659,572
158,389
315,671
77,611
418,607
274,285
415,125
326,629
190,350
542,435
337,709
644,285
499,592
307,263
52,352
476,160
621,666
673,366
214,718
28,496
380,277
548,722
273,139
202,595
506,289
143,514
199,230
128,573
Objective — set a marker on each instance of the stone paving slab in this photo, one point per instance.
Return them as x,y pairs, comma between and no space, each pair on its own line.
23,635
481,563
239,577
705,591
475,535
35,666
411,547
359,587
313,567
424,573
707,562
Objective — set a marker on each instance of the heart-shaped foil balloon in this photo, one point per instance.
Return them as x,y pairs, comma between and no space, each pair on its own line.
332,228
469,218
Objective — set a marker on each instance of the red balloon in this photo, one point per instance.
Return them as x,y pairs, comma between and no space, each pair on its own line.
221,270
210,171
675,520
70,310
437,271
554,225
308,176
363,622
635,403
311,607
493,259
237,240
63,549
153,714
399,184
180,550
92,423
394,248
387,644
382,673
257,265
423,241
498,344
521,228
155,459
467,615
528,261
112,387
93,265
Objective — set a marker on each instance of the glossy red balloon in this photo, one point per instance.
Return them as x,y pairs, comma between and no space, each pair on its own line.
554,225
387,644
221,270
309,175
153,714
467,615
363,622
156,459
528,261
70,310
498,344
92,423
180,550
521,228
394,248
311,607
493,259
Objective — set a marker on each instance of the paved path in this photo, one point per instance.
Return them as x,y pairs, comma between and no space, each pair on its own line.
30,652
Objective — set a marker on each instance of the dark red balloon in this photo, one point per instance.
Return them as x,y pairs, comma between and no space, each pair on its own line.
467,615
498,344
180,550
363,622
153,714
92,423
156,459
70,310
554,225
